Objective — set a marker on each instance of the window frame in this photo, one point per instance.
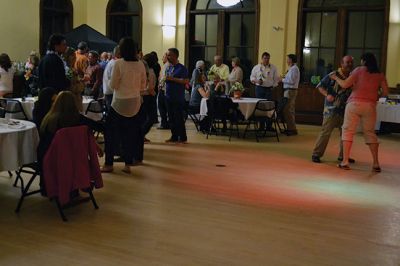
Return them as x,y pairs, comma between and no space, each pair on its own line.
69,11
139,14
191,11
342,27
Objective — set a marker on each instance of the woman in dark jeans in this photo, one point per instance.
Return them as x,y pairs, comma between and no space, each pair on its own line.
128,80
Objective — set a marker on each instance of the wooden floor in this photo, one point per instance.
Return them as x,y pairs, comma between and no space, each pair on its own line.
214,202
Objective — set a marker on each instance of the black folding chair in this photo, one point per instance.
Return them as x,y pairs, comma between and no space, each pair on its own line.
32,169
280,119
263,112
97,107
12,106
221,110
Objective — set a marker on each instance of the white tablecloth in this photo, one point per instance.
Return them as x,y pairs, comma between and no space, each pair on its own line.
246,106
387,113
29,103
18,144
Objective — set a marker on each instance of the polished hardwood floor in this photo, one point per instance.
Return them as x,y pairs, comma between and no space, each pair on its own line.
215,202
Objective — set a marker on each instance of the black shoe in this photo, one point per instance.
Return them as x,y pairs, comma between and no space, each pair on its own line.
315,159
291,132
351,160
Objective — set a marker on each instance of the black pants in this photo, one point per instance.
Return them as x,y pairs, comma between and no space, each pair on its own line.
121,129
147,115
162,108
176,120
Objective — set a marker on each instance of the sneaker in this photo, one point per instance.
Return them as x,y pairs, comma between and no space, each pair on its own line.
315,159
351,160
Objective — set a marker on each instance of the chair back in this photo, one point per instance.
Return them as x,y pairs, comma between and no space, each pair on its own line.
220,107
14,109
264,108
97,109
3,106
71,163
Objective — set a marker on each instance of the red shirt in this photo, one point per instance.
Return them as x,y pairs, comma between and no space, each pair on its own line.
366,85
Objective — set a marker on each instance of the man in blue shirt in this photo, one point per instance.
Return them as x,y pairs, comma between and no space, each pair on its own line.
176,78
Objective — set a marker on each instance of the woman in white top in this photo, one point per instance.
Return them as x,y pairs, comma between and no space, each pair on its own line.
6,75
128,81
236,74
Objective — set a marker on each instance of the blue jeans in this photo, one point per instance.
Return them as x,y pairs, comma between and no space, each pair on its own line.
264,92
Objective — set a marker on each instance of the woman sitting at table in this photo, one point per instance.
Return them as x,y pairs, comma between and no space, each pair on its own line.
200,90
43,105
217,87
6,76
63,113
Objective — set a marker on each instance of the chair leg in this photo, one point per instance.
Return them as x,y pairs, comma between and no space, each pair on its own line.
10,174
256,130
19,177
93,199
25,193
276,130
63,217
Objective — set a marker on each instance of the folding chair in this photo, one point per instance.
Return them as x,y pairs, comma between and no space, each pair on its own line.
221,111
192,112
33,169
63,174
14,108
263,112
280,119
96,111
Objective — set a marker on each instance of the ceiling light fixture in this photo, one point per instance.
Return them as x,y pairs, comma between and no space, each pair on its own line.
228,3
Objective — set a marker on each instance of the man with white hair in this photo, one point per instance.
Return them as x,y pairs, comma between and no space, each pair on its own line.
219,69
200,65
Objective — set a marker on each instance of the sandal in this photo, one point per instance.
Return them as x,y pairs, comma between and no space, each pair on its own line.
376,169
344,166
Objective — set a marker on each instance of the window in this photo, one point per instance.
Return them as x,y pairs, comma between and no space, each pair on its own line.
124,18
55,17
331,29
227,31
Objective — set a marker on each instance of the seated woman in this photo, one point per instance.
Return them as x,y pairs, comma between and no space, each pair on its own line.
218,87
43,105
200,90
63,113
6,76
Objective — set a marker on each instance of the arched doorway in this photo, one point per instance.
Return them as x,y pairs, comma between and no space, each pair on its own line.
124,18
228,31
56,16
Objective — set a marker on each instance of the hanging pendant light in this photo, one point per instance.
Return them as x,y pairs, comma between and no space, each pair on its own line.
228,3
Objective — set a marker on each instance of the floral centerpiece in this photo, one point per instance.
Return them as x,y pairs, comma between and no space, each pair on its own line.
237,89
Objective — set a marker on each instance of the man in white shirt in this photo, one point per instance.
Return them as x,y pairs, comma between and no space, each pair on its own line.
265,77
290,86
107,90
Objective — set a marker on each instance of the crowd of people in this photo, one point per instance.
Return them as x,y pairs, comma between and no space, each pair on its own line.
135,88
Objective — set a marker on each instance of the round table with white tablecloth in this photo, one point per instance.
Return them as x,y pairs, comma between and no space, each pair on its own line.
246,106
18,143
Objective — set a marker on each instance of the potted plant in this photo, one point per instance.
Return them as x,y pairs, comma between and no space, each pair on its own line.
237,89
